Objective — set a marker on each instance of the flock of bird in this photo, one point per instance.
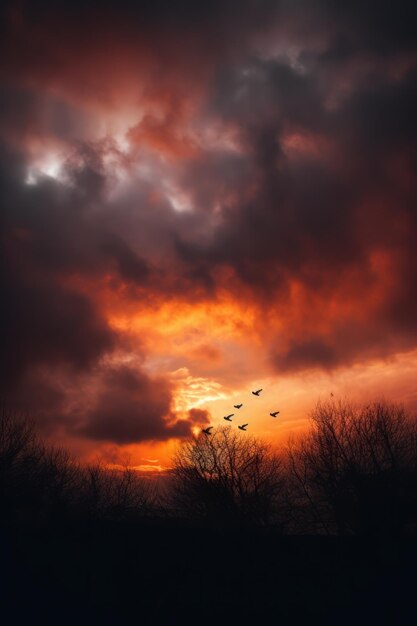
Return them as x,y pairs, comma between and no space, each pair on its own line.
228,418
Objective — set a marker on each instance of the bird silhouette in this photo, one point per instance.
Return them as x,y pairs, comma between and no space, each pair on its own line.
228,418
207,431
237,406
243,427
274,414
256,393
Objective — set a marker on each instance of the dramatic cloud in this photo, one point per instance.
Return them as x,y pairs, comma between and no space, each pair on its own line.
131,407
209,188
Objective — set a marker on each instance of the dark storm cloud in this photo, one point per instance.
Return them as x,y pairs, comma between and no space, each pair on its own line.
42,322
300,211
391,329
53,334
213,29
47,237
42,319
133,407
381,118
315,216
53,227
304,355
380,27
225,17
27,113
52,42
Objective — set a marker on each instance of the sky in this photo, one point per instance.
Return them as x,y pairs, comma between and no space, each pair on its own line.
200,199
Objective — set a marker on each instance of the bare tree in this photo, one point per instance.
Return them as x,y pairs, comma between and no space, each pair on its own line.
130,495
355,471
227,478
114,494
17,438
20,454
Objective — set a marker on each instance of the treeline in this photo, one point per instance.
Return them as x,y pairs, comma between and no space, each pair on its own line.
42,484
354,472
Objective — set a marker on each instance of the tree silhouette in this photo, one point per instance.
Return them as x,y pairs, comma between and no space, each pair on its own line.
228,479
354,472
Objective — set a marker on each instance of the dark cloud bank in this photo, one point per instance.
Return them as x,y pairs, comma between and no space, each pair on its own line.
339,80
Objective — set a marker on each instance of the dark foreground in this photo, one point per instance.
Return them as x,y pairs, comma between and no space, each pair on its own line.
146,574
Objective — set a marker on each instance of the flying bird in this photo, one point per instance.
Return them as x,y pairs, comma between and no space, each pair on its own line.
256,393
207,431
243,427
228,418
274,414
237,406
